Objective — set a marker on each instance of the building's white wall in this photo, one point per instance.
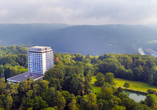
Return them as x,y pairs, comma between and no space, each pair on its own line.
49,60
44,62
29,60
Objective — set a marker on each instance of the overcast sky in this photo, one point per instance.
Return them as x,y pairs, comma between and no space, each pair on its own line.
92,12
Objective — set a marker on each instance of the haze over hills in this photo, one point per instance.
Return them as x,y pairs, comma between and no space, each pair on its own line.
84,39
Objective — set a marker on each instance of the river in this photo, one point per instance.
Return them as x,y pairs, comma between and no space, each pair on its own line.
136,96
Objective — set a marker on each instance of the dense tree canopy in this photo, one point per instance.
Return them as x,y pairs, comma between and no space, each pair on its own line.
12,50
68,85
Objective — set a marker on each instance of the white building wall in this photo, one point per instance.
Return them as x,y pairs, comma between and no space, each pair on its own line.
49,60
29,62
43,63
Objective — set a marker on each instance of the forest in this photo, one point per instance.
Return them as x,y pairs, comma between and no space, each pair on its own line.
67,86
13,60
13,49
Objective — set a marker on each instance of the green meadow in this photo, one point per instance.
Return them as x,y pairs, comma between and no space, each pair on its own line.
140,86
95,88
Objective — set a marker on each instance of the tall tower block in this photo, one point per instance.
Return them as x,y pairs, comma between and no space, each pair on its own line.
40,59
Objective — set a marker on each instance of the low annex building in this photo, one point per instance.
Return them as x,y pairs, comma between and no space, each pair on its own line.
40,59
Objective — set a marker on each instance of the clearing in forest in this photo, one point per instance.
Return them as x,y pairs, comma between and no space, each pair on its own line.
136,85
140,86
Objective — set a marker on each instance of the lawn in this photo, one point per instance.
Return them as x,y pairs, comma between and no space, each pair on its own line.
93,79
141,86
96,89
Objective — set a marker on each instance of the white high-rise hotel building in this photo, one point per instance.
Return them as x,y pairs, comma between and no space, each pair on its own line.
40,59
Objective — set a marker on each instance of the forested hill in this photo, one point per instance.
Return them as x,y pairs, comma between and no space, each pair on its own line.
84,39
11,50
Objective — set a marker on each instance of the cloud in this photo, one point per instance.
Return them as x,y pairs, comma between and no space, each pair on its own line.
79,11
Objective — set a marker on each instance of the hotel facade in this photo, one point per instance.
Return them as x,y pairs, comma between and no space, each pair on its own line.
40,59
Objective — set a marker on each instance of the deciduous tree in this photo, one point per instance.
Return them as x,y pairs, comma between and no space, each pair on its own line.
150,100
8,102
100,79
109,78
126,84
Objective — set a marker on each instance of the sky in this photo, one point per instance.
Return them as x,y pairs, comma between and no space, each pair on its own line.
79,12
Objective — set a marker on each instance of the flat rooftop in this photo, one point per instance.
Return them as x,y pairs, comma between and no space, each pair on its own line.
24,76
39,49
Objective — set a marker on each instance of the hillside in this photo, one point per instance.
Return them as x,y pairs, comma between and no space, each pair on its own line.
84,39
12,50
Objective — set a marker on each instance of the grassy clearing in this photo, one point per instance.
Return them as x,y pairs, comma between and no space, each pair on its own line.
141,86
93,79
96,89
